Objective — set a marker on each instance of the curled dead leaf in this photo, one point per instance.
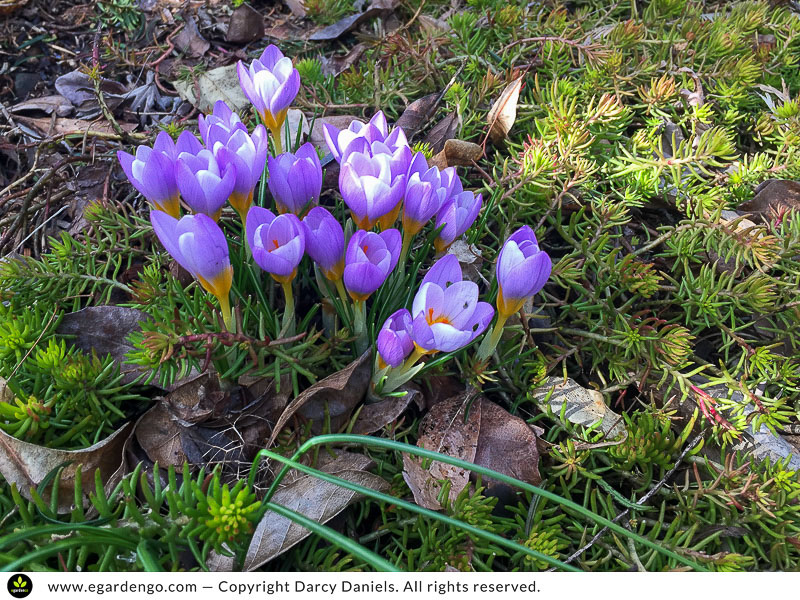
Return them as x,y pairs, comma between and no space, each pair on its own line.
338,393
504,111
27,465
374,417
457,153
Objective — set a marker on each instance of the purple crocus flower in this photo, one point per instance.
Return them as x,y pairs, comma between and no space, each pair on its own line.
457,215
377,130
427,189
295,180
369,259
446,311
325,242
522,270
219,125
394,339
152,172
204,183
198,245
246,155
270,83
277,243
371,188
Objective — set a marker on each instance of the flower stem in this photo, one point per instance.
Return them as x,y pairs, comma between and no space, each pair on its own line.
407,238
400,375
489,343
288,325
360,325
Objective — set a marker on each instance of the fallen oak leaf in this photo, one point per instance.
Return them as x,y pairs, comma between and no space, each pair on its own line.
579,405
476,430
450,427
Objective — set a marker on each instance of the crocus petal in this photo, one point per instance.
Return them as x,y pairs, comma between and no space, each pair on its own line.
444,272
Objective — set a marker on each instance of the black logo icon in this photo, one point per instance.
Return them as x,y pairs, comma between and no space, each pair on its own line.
20,586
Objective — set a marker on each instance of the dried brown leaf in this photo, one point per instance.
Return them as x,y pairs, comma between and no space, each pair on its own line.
374,417
217,84
64,126
318,500
105,330
339,392
457,153
506,444
445,129
774,197
246,25
583,407
447,428
504,111
27,464
190,41
46,104
375,9
417,114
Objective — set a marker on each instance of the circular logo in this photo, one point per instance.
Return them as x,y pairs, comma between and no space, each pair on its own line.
20,585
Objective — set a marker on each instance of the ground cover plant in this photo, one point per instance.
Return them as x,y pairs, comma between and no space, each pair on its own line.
484,286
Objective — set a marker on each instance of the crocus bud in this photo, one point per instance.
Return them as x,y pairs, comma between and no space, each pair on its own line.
152,173
457,215
325,242
427,189
295,180
369,259
204,185
246,155
197,244
270,83
277,243
446,311
522,270
369,188
394,339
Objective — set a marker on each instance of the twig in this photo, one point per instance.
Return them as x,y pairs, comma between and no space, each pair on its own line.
644,499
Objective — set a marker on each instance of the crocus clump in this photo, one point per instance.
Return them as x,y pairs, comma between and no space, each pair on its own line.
371,189
446,315
205,183
377,130
379,177
235,148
